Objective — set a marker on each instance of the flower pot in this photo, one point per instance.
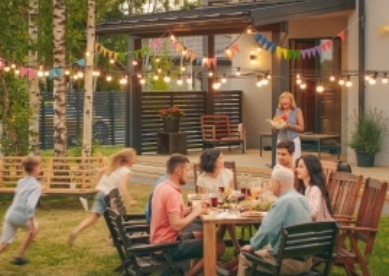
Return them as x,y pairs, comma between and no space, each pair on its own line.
171,125
364,159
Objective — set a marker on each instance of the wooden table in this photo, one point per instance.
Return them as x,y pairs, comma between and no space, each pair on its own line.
319,138
209,238
171,142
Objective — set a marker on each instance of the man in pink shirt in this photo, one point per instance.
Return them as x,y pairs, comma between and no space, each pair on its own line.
170,216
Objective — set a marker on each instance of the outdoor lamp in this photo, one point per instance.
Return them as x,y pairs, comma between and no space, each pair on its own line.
348,82
385,78
303,85
109,78
224,78
253,58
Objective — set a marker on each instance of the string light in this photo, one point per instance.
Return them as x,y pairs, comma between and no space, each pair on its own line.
332,78
216,85
303,85
96,73
320,87
75,77
259,81
259,49
46,73
373,79
40,72
7,68
249,31
134,62
159,70
298,79
224,78
385,78
189,79
172,37
87,54
142,81
157,59
80,74
253,58
156,77
67,72
348,82
184,51
109,78
182,68
341,81
179,80
228,52
210,74
167,77
139,76
367,77
17,72
13,66
123,81
111,61
237,71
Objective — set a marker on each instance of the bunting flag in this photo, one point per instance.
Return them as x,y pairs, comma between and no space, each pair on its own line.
81,62
295,54
382,29
155,44
235,47
198,60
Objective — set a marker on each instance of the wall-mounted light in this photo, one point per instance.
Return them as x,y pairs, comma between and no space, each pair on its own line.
253,58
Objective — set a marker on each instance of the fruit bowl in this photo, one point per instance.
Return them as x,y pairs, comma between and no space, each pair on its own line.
279,124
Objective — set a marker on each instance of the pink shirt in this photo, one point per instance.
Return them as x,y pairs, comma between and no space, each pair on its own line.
167,199
317,204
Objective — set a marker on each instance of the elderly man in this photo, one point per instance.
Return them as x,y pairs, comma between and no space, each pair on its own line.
289,209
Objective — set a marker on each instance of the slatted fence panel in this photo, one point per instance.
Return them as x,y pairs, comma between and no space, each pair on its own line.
193,104
229,103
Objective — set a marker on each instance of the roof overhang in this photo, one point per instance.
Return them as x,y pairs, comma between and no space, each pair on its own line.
234,18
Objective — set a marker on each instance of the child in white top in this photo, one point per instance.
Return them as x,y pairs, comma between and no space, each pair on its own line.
116,175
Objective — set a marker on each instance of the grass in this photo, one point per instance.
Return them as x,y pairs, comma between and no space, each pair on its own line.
92,255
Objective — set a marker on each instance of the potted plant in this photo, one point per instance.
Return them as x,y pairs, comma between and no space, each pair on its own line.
368,131
171,118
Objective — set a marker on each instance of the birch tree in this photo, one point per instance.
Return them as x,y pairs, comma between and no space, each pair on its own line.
59,53
88,84
34,85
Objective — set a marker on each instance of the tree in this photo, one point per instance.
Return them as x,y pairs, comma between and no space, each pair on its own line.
34,85
59,53
88,85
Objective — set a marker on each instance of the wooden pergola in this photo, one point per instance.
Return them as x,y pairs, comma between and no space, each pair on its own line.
208,21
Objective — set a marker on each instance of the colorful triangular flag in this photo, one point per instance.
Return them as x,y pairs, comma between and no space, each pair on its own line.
342,35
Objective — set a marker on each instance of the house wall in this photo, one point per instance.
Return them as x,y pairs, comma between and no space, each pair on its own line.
377,58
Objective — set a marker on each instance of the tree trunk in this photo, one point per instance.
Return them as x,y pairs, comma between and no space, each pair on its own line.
60,128
34,85
88,85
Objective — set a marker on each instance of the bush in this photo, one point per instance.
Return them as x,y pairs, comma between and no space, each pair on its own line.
368,131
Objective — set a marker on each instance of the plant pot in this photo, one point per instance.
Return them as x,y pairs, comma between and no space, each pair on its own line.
364,159
171,125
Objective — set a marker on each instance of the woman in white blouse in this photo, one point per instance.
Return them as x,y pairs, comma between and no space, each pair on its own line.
214,175
311,183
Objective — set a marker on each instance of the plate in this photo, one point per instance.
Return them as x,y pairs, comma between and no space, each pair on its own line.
254,214
277,125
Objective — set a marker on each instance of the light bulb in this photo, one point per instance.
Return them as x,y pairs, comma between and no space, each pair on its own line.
40,73
385,78
123,81
46,73
67,72
13,66
224,79
179,82
210,74
159,70
320,88
372,81
17,72
348,82
157,60
299,81
7,68
166,78
134,62
303,85
80,74
216,85
155,77
139,76
265,81
96,73
249,31
237,71
259,81
182,68
75,77
341,82
367,77
142,81
259,49
172,37
87,54
189,79
267,76
109,78
332,78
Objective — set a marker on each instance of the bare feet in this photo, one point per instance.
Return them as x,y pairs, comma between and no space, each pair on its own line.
72,239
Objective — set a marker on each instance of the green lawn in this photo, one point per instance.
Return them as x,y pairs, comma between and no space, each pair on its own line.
92,255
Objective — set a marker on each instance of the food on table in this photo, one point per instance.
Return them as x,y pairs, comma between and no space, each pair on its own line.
262,206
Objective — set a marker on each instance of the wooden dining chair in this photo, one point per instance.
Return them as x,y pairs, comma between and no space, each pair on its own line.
328,168
343,189
363,230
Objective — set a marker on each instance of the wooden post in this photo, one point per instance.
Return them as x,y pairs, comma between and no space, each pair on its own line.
207,82
133,99
279,85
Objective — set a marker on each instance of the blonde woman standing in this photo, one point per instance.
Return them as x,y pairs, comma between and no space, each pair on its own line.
294,121
116,175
